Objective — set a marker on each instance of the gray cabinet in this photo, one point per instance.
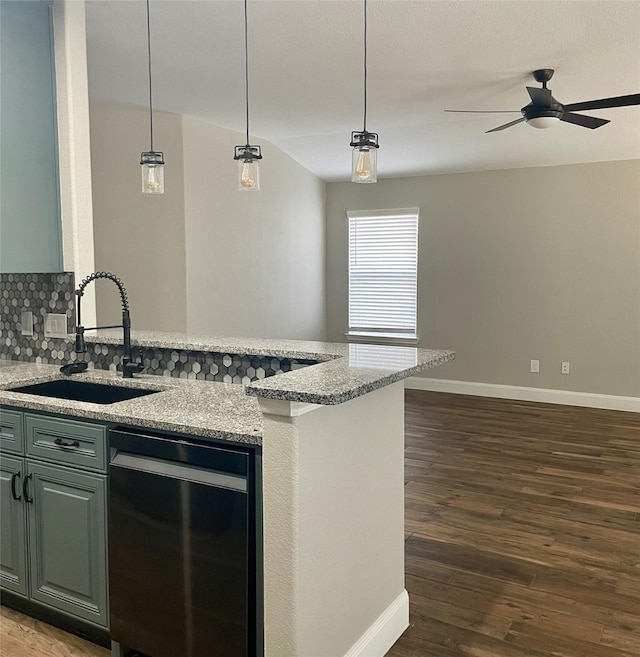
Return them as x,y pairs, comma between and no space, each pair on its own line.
11,431
13,518
53,537
67,536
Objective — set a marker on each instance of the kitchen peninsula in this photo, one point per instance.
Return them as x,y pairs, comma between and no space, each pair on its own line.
329,435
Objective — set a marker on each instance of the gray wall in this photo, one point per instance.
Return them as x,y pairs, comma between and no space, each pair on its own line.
29,202
204,257
515,265
255,260
140,237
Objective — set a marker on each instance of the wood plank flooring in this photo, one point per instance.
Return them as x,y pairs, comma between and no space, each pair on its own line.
523,535
23,636
522,529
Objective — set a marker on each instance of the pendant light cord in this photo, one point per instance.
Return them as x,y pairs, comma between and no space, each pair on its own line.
150,90
246,66
365,65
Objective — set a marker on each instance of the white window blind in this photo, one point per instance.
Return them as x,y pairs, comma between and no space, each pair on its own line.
383,273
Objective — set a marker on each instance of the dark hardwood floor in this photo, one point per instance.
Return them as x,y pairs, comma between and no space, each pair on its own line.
523,535
523,529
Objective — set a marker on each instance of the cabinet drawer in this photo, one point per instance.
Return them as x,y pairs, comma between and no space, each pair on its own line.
11,431
66,441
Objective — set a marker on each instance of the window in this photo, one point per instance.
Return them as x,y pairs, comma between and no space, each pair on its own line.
383,274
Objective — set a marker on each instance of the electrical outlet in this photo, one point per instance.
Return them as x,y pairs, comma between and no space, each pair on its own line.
535,366
565,367
55,326
26,323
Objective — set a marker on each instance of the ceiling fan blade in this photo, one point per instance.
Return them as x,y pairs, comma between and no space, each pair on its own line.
583,120
604,103
484,111
505,126
540,97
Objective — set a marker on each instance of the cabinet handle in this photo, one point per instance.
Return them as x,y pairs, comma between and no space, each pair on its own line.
71,443
25,489
14,477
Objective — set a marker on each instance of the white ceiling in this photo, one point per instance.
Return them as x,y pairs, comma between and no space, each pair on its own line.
424,56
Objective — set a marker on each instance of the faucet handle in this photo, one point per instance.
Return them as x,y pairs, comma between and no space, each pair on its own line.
133,364
136,355
129,367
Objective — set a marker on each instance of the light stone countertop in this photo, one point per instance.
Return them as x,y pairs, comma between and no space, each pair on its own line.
299,349
197,408
343,371
222,410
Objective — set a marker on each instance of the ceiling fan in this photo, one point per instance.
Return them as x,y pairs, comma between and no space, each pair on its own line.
544,111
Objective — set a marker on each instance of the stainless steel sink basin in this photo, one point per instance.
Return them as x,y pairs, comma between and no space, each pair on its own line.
96,393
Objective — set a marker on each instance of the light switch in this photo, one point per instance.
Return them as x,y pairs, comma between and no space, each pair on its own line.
55,326
26,323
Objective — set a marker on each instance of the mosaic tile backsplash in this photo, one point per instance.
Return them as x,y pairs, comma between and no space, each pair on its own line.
41,294
54,293
202,365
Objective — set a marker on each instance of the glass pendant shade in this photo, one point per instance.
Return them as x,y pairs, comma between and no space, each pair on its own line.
152,172
248,176
364,158
248,158
364,167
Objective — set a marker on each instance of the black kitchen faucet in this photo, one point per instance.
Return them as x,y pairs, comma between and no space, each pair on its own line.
128,366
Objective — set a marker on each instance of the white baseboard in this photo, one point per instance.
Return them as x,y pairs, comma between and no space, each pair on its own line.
384,631
521,393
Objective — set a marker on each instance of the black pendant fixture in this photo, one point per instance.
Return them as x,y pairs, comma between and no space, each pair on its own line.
152,161
247,156
364,162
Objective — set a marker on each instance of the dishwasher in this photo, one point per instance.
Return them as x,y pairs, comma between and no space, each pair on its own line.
182,547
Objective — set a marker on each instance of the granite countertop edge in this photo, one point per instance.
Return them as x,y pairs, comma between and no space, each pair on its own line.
346,391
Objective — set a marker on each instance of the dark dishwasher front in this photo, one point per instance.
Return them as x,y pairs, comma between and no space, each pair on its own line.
181,581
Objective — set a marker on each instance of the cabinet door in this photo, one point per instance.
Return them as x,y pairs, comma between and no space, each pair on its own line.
67,540
13,526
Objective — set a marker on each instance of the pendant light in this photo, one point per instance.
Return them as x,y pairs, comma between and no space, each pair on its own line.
247,156
364,162
152,161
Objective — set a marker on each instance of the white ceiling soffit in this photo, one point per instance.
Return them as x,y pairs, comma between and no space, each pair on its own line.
424,57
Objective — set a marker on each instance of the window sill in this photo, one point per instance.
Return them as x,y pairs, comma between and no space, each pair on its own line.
401,339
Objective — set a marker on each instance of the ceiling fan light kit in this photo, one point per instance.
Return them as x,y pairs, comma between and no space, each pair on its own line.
543,122
544,111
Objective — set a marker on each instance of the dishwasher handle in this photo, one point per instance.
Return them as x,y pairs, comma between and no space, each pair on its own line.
182,471
180,450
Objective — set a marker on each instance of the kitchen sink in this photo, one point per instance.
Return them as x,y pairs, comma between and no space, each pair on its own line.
96,393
